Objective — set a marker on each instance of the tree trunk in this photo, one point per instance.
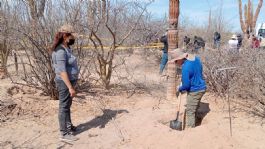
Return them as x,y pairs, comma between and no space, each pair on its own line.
173,44
4,52
41,8
104,9
105,74
36,9
257,13
242,24
91,14
248,25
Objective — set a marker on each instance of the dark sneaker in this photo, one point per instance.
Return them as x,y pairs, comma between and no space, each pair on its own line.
68,137
74,128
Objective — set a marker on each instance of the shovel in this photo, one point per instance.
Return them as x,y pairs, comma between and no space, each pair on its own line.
177,123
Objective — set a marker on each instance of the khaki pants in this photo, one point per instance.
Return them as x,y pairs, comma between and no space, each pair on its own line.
192,106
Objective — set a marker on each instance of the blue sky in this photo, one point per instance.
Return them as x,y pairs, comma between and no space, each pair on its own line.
198,10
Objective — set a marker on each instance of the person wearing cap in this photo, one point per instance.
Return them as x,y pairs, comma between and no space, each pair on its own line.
192,82
66,70
255,43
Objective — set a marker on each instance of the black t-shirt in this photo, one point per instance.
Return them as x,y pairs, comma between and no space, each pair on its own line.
163,39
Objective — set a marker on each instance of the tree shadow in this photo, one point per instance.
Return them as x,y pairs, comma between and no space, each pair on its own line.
100,121
203,110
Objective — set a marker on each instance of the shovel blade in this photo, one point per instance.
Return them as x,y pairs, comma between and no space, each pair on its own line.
177,125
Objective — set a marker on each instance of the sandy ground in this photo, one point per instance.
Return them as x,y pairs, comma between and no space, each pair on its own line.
115,121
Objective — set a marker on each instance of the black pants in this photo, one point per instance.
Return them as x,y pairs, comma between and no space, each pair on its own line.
65,102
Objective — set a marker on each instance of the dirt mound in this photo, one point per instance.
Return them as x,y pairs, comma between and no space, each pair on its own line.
21,102
6,108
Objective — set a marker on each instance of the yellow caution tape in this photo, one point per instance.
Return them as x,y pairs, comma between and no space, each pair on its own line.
151,45
126,48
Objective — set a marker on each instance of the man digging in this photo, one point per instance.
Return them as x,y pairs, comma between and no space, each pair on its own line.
192,82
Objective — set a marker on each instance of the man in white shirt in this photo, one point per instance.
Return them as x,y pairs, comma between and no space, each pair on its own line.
233,42
233,45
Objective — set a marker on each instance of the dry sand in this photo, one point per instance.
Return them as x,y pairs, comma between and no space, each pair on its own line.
138,122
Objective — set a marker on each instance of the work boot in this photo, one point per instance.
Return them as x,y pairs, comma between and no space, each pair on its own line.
68,137
74,128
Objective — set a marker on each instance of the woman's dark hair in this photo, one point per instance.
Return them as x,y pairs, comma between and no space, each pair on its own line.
58,39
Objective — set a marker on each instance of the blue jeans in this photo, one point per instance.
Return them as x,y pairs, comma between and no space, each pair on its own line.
65,102
196,50
163,61
216,44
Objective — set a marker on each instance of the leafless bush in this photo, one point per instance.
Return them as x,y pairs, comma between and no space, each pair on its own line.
33,28
32,25
33,34
110,26
246,83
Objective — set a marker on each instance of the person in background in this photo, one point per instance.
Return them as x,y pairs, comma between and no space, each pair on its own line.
186,41
233,45
217,40
199,43
192,82
66,70
240,40
164,59
255,43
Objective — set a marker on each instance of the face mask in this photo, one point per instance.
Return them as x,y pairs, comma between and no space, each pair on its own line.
71,42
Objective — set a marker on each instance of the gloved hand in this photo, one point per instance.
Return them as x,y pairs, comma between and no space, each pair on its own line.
178,93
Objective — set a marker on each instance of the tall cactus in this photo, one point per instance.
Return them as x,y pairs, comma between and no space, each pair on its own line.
173,44
249,22
36,8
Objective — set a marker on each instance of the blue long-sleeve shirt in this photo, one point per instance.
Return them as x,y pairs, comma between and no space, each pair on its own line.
192,77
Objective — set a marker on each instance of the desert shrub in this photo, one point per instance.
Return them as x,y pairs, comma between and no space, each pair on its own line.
246,82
